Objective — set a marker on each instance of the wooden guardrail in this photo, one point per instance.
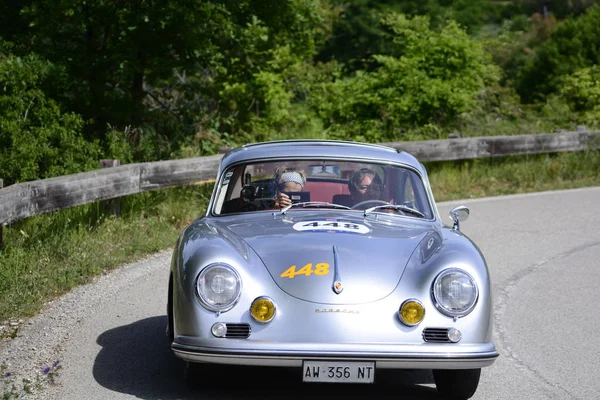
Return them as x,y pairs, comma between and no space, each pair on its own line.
498,146
26,199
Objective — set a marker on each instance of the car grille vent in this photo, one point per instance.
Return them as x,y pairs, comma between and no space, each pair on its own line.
439,335
238,331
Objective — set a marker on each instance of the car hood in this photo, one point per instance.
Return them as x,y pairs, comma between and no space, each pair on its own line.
307,256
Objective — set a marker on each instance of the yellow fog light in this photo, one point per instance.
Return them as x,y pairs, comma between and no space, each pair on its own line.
411,312
262,309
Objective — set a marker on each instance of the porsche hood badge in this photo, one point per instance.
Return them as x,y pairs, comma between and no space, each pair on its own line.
338,287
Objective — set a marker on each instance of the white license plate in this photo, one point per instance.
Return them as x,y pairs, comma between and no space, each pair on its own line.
338,371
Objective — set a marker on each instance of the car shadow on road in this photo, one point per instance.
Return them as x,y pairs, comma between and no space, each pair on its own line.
136,359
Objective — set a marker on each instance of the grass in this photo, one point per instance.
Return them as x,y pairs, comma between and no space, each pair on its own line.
515,174
48,255
45,256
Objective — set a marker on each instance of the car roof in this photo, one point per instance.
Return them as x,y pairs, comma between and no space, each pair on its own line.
321,149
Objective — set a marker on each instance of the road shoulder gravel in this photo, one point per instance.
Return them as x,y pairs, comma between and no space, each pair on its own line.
30,361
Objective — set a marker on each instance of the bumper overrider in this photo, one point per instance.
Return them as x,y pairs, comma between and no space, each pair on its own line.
387,356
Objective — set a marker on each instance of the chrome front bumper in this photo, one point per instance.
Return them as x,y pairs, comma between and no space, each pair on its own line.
435,356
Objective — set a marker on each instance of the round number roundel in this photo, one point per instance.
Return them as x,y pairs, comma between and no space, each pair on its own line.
331,226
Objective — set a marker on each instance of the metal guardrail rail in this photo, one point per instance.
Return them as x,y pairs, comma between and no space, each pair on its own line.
27,199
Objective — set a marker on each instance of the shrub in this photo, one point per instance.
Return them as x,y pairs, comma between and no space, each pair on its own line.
574,44
581,89
436,76
578,100
37,139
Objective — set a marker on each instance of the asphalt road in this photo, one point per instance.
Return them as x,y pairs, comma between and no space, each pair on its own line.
542,251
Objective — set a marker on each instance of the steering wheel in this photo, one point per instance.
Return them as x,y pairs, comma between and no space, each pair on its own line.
362,205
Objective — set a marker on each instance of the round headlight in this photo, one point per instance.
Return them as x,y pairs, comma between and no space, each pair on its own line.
454,292
262,309
218,287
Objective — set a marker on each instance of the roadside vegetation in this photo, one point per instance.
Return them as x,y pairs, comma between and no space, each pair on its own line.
47,255
148,81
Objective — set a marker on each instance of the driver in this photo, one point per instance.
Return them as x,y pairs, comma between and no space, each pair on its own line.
364,185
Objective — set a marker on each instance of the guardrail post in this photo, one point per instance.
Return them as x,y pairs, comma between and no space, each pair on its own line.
112,206
1,186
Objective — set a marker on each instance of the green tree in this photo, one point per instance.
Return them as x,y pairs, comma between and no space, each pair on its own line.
359,33
12,23
37,140
111,50
581,89
574,44
167,69
558,8
259,80
436,76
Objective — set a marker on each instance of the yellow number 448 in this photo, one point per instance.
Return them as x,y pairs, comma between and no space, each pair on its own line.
307,270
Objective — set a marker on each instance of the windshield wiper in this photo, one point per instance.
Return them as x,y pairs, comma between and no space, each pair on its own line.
397,207
314,204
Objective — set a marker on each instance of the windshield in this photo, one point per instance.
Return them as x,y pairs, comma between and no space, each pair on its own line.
253,187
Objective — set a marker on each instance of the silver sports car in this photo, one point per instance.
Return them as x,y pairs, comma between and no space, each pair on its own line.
331,257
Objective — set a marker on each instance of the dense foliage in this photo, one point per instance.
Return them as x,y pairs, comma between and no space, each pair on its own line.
574,44
140,81
435,75
37,139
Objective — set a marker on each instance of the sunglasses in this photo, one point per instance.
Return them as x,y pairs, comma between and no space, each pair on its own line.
371,188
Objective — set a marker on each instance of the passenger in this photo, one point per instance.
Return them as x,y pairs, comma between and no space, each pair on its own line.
287,180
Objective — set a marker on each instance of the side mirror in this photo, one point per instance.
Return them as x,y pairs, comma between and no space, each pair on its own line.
457,214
